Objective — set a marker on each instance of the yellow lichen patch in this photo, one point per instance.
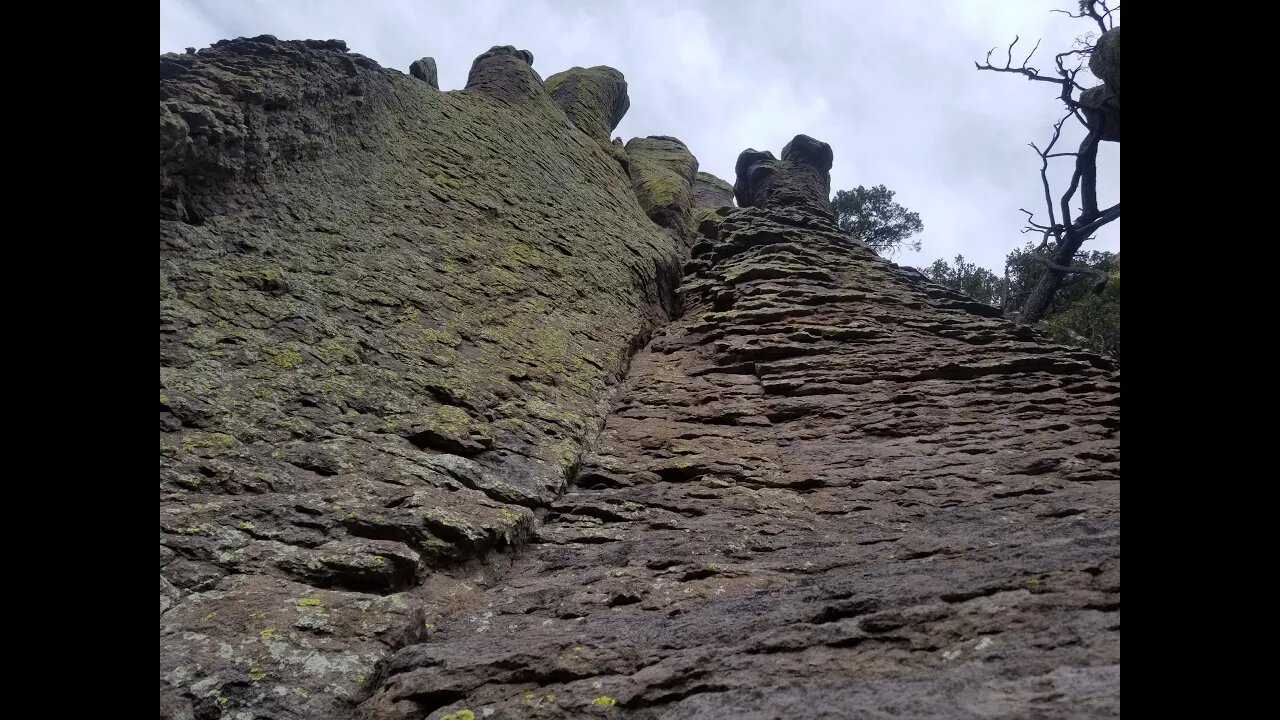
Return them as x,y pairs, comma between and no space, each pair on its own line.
332,350
604,700
360,678
267,634
284,357
245,525
257,674
207,441
439,338
463,714
449,418
202,340
310,602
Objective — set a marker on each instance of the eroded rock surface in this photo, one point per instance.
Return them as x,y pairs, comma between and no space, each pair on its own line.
831,489
412,465
391,319
801,180
710,191
662,174
425,70
1103,101
595,99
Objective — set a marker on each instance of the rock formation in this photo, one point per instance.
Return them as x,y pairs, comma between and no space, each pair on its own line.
801,180
425,70
710,191
594,99
468,412
1103,101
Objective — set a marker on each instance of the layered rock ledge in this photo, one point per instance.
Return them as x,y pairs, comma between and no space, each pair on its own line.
467,412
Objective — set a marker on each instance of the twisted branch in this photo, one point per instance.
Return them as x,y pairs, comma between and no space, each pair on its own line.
1072,269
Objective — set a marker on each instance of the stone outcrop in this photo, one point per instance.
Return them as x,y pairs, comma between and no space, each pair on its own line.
801,180
391,320
425,70
1104,100
710,191
662,174
506,73
595,99
831,489
1104,61
446,435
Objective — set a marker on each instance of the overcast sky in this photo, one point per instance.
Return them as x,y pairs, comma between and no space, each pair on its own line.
890,85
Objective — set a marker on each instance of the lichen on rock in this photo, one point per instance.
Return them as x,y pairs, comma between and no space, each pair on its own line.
662,174
447,433
595,99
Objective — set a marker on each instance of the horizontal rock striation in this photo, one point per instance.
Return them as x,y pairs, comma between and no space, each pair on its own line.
467,412
391,319
831,489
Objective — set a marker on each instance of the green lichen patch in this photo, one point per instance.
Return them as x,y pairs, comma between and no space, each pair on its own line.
282,357
198,441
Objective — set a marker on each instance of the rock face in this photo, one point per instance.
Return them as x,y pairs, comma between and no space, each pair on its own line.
662,174
710,191
425,70
1104,100
419,461
391,319
1104,62
595,99
506,74
801,180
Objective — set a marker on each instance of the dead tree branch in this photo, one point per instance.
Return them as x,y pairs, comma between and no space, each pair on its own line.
1067,233
1089,9
1071,269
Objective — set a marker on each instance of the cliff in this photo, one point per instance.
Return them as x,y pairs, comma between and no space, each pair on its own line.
468,411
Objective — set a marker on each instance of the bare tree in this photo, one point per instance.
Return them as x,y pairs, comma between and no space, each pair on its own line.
1098,110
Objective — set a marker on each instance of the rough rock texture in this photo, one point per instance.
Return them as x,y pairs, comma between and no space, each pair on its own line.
400,477
710,191
1104,62
390,319
506,74
832,489
425,70
662,173
801,180
595,99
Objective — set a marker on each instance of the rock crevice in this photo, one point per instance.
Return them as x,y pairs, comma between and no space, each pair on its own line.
748,465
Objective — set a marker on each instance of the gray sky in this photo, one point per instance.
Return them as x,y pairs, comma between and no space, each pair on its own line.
891,86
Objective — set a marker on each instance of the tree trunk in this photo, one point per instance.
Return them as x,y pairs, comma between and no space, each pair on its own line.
1042,295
